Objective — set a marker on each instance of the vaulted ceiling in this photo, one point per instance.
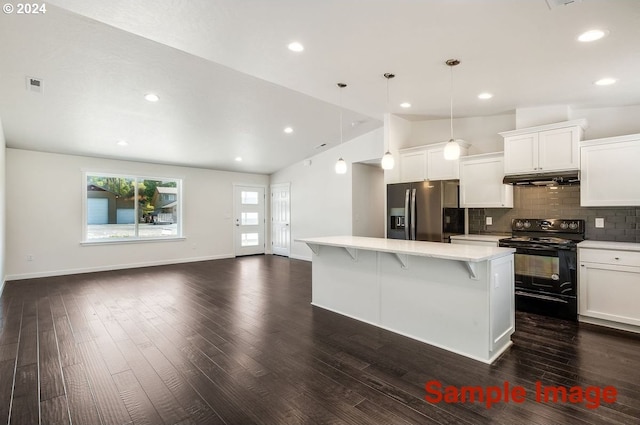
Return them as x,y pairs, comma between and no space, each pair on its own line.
228,85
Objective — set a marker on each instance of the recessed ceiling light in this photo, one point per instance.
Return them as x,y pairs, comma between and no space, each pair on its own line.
405,105
238,159
122,143
288,130
591,35
485,96
295,47
151,97
605,82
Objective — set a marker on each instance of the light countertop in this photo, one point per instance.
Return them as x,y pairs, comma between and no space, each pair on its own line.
487,238
620,246
459,252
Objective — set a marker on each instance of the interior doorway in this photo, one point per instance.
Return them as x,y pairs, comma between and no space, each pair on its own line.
281,219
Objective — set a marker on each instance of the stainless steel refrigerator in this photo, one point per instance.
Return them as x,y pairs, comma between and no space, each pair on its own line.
424,211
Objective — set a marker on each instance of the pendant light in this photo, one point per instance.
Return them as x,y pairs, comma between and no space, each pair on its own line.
387,162
341,165
452,148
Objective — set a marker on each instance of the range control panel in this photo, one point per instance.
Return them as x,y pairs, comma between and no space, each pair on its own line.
552,225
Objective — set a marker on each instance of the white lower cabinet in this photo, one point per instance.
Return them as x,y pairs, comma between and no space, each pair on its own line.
481,182
609,285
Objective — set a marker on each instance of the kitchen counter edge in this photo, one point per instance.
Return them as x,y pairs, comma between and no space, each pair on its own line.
445,251
619,246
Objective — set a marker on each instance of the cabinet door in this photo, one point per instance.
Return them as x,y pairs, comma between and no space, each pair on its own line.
610,174
502,312
439,168
609,292
559,149
413,166
521,154
481,184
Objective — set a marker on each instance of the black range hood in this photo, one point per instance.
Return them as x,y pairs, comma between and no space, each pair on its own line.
544,179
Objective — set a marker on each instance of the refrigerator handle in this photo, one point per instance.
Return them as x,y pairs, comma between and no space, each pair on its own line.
413,214
407,214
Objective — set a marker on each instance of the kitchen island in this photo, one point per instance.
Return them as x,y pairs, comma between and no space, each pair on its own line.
456,297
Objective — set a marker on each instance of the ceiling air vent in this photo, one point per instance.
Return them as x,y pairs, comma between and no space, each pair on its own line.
35,84
557,3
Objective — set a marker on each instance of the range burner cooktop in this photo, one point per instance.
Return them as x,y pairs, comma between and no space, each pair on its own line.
534,232
554,225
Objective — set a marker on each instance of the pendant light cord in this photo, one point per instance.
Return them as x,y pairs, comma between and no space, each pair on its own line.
340,114
451,102
389,112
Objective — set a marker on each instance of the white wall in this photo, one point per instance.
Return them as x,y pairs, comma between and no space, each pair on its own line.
609,122
321,200
368,200
2,207
44,218
541,115
481,132
398,136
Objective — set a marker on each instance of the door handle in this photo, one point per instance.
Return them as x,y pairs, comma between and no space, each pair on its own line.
413,214
407,215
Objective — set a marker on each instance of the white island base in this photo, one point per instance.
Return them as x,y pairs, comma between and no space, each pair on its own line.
456,297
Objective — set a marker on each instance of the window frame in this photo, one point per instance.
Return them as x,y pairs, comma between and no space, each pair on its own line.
137,238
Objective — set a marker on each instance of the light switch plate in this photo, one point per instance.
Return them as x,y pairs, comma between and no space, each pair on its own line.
599,223
489,221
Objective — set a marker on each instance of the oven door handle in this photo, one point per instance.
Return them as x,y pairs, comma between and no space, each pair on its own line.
550,252
536,246
541,297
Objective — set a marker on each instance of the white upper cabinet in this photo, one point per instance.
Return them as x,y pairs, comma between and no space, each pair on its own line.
481,182
439,168
428,163
547,148
413,165
610,173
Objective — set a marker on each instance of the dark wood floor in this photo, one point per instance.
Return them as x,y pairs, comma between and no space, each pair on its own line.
237,342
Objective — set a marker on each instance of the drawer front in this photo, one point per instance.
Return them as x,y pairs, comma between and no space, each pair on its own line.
606,256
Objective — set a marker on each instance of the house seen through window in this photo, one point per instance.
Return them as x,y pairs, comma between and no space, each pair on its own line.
119,207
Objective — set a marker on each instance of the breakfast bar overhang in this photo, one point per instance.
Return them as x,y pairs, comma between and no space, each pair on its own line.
456,297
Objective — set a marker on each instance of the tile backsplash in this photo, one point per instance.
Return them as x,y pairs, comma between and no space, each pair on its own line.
621,224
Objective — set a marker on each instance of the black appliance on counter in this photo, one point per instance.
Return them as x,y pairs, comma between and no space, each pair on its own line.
424,211
546,280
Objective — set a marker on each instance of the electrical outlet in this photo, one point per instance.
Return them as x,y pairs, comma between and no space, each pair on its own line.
599,223
29,257
489,221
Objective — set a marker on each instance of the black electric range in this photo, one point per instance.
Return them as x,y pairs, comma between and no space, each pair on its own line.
546,265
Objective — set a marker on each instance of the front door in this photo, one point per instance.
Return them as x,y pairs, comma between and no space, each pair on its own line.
249,220
280,219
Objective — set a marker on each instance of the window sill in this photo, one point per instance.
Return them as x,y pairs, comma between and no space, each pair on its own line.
132,241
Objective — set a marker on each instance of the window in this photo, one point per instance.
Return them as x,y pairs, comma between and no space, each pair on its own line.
124,208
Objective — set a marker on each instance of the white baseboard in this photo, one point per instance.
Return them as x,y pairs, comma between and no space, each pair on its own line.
114,267
300,257
609,324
